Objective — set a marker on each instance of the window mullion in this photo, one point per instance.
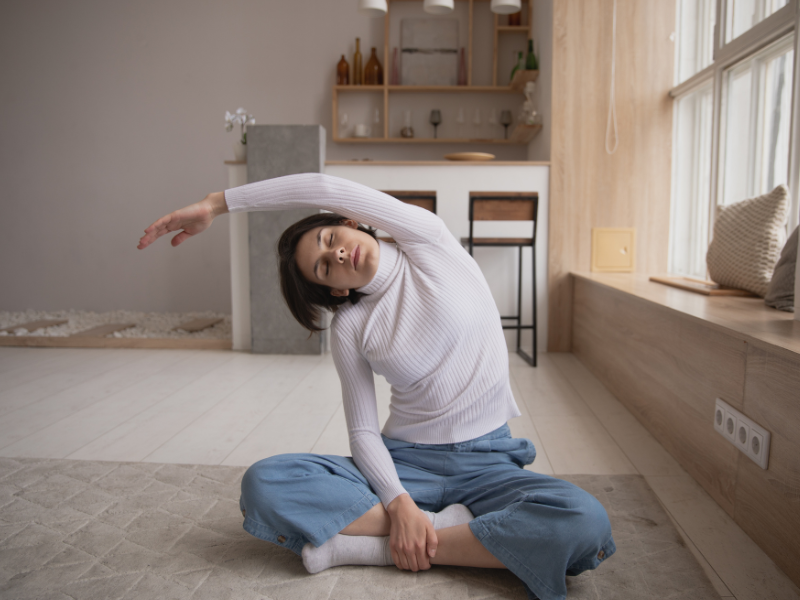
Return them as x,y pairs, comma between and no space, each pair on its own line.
717,143
794,142
761,34
756,142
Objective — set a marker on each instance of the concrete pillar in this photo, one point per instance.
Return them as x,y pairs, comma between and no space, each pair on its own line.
273,151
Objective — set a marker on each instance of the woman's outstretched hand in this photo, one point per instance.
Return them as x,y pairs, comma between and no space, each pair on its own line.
192,219
412,538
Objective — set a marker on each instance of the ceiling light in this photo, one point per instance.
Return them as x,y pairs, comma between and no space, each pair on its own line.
506,7
373,8
437,7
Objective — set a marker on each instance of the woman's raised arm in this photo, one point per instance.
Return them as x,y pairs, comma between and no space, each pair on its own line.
192,219
404,222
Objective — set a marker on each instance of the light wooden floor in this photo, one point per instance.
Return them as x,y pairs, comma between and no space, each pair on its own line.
222,407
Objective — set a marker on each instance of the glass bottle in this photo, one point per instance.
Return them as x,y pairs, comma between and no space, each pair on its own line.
343,72
373,72
462,69
358,70
518,67
531,64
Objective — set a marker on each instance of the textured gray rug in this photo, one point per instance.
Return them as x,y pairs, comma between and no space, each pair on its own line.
104,530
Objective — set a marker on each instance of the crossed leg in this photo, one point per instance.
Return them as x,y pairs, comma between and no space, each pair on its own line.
457,547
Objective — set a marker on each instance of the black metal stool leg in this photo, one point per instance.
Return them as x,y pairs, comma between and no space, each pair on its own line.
533,269
519,301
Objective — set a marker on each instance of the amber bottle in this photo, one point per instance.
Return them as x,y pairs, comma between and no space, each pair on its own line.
358,69
515,19
373,72
342,72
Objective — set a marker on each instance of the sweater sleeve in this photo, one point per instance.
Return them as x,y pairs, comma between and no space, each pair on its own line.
406,223
361,412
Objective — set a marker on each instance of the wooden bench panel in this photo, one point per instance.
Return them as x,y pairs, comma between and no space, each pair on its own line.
667,354
768,502
647,356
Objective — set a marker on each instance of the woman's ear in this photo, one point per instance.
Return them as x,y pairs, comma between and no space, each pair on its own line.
340,292
351,224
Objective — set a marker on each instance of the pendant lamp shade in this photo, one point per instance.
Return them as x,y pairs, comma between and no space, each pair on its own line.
437,7
373,8
506,7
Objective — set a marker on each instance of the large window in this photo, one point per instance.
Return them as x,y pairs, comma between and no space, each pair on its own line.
742,15
735,89
691,183
757,96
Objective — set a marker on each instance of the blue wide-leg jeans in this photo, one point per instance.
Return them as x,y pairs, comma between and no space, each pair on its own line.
540,527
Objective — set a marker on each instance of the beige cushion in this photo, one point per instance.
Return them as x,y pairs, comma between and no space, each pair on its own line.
781,289
748,237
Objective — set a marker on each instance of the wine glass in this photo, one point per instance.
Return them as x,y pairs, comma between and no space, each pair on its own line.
460,121
436,119
476,121
343,125
505,120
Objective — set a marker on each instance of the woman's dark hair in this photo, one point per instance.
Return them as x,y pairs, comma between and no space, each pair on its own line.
304,298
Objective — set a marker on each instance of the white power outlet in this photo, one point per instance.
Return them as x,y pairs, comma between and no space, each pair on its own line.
730,425
719,417
744,433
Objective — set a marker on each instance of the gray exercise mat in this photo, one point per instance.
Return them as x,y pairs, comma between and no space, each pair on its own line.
106,530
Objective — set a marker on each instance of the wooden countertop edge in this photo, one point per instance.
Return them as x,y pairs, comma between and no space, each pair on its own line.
438,163
715,311
425,163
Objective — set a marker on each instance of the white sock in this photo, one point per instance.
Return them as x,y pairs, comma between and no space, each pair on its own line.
347,550
455,514
371,550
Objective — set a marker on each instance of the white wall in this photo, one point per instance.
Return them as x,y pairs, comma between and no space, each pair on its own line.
453,184
539,148
111,115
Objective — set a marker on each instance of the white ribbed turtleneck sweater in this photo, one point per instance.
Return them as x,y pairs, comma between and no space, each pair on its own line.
428,324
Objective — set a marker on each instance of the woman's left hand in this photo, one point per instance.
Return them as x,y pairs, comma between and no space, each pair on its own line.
412,538
192,219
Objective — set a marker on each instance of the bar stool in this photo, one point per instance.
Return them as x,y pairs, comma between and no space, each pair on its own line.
426,200
508,206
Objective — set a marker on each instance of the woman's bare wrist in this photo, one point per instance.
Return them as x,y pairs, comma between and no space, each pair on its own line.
218,204
399,502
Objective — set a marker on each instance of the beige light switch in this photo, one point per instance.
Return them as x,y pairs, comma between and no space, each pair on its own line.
613,250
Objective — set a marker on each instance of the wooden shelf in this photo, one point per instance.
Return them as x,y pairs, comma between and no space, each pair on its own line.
521,78
416,89
381,140
359,88
451,88
388,90
513,29
523,134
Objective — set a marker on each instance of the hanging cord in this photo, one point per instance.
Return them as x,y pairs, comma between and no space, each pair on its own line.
612,109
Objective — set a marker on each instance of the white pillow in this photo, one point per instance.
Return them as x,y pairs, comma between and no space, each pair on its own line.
748,237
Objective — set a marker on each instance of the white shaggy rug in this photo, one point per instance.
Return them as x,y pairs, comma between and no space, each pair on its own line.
148,325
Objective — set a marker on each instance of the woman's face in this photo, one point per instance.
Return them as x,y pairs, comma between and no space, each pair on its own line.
338,256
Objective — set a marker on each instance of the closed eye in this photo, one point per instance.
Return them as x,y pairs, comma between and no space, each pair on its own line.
330,242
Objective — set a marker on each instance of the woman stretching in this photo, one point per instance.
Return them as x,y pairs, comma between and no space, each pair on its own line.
443,482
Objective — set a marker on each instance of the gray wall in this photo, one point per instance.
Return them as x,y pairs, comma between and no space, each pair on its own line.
111,115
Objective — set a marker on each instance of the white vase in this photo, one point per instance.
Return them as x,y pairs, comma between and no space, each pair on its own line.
240,150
